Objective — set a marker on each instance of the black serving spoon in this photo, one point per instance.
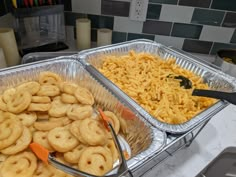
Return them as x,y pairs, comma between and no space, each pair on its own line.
228,96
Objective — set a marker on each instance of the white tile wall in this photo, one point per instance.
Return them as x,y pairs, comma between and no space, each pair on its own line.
87,6
170,41
216,34
173,13
124,24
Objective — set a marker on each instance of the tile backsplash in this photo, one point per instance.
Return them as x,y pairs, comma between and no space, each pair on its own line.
201,26
195,3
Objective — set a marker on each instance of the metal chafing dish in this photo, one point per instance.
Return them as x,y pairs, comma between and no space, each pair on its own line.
179,136
216,79
143,144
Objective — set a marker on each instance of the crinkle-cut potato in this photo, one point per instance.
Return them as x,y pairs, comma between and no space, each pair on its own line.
53,113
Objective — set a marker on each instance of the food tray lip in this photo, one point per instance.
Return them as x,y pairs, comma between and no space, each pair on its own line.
87,51
73,57
157,135
174,129
48,55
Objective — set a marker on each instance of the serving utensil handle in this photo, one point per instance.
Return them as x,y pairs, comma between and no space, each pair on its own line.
230,97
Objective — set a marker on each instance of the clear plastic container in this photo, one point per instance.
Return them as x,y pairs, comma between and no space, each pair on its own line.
38,26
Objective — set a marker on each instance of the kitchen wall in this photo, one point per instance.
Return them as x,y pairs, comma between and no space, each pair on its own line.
201,26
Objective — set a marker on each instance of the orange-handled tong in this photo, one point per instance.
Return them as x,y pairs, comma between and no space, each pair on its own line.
48,157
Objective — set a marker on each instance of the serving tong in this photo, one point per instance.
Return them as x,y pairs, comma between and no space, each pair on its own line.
47,157
187,84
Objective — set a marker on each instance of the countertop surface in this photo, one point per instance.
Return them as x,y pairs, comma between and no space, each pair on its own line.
218,134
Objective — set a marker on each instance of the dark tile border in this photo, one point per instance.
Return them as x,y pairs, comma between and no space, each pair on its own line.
207,17
94,35
67,5
70,18
164,1
154,11
195,3
230,20
116,8
233,39
224,5
157,27
197,46
132,36
118,37
186,30
98,21
217,46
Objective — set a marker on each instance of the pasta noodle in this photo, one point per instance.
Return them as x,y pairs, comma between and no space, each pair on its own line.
149,80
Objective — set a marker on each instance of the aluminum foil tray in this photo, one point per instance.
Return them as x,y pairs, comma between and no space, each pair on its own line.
216,79
144,140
